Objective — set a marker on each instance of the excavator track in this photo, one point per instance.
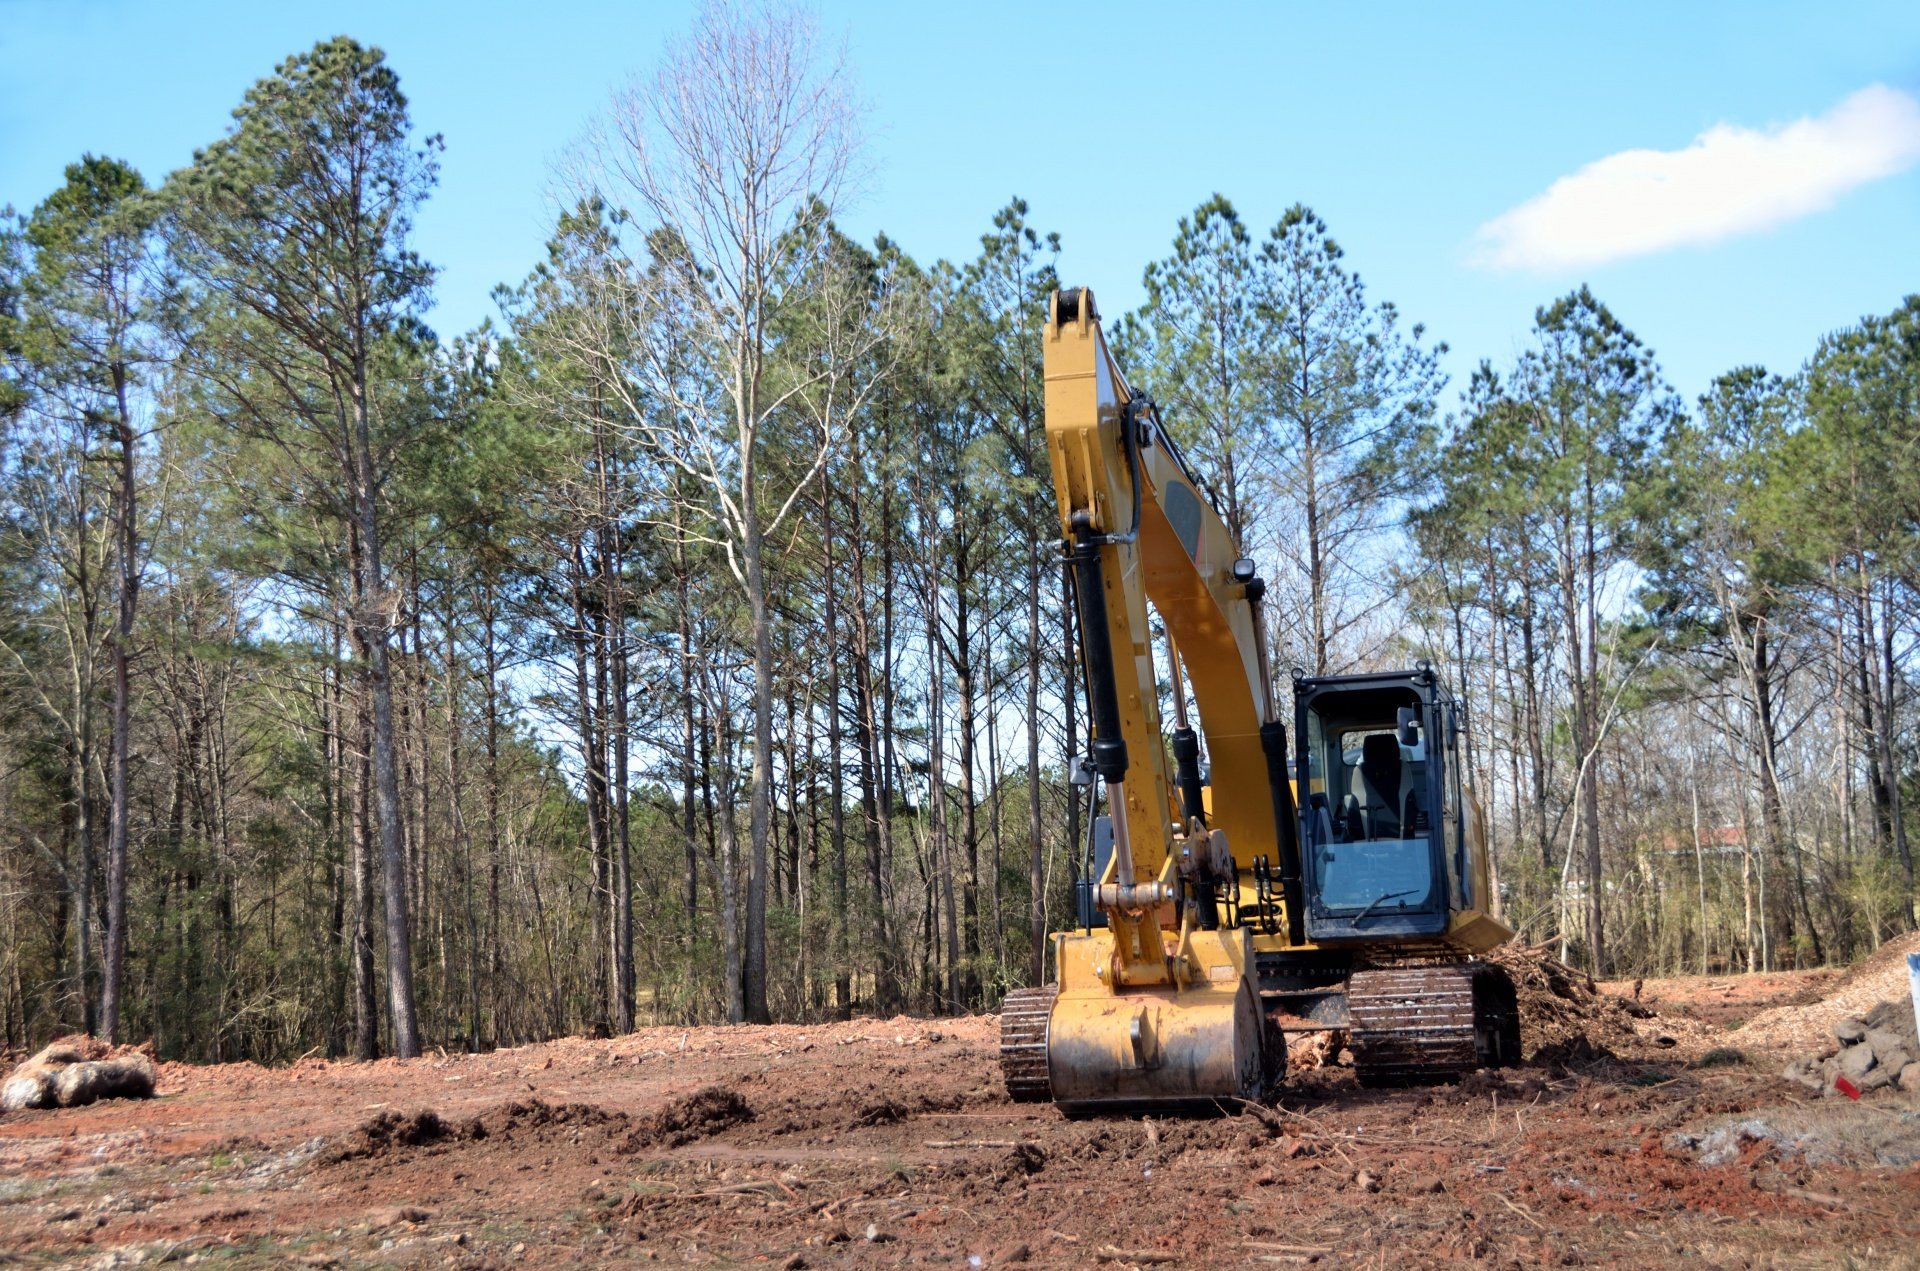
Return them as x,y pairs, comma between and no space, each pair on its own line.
1417,1024
1024,1018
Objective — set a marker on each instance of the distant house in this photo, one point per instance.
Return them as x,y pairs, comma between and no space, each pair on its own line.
1715,840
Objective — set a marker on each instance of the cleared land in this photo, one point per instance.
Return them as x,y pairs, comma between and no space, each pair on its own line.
882,1142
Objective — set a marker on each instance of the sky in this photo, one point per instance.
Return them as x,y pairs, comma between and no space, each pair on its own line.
1733,180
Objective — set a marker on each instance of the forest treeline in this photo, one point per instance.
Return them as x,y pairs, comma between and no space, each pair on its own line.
690,642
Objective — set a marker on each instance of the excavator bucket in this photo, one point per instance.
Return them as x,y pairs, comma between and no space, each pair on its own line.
1091,1049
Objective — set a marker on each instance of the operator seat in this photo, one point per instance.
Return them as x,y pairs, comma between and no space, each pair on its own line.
1377,785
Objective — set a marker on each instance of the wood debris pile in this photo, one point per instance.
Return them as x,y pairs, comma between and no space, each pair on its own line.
1807,1028
75,1071
1562,1009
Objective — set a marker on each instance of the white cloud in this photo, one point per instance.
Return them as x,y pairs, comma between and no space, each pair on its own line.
1728,181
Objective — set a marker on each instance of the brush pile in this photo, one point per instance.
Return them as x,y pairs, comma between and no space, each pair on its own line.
1562,1009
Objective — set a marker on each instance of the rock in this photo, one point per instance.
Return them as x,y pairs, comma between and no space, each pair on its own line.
1856,1061
1897,1018
1424,1184
1894,1060
1910,1078
1805,1072
63,1075
1884,1041
128,1077
1366,1182
35,1090
794,1263
1849,1031
1881,1075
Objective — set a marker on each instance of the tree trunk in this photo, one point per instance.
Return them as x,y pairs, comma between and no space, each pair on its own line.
594,775
939,844
836,779
373,619
729,873
366,1001
126,531
496,955
1036,865
689,738
1887,676
614,623
760,791
967,991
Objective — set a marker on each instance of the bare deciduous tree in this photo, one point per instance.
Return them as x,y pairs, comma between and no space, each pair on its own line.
729,160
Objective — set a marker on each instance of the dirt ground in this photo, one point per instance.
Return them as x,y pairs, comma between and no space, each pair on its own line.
886,1142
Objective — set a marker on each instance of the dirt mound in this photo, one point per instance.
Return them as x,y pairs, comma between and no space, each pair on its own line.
881,1112
1806,1029
1562,1011
706,1112
385,1133
389,1134
1575,1052
536,1116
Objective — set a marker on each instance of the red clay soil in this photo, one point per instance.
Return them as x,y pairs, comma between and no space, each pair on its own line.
879,1143
1726,1000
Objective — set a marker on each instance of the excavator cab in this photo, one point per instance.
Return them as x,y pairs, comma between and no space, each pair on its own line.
1381,812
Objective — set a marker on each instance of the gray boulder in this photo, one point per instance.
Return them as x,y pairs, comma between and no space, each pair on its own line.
1885,1041
1805,1072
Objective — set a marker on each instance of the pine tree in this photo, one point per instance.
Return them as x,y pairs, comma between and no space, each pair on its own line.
293,233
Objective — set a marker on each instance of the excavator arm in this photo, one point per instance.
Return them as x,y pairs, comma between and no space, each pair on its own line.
1139,530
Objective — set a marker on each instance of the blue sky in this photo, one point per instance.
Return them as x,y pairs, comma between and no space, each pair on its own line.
1410,128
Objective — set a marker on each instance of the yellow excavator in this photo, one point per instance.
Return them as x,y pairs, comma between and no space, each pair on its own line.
1234,896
